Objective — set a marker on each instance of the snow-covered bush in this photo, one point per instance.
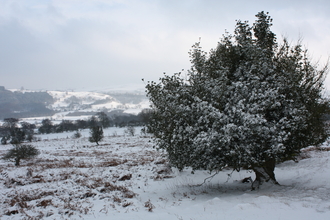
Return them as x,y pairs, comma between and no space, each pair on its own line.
21,151
250,103
76,134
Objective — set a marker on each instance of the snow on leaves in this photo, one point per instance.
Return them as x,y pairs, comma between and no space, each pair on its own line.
245,102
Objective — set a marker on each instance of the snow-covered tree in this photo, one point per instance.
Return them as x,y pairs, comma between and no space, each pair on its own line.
250,103
96,134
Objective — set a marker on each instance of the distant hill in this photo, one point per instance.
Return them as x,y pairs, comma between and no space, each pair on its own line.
84,102
25,103
19,104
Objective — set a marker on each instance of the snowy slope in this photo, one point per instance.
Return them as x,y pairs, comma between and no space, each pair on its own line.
87,103
91,101
64,98
126,178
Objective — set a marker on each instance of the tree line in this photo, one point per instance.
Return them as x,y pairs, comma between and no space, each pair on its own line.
99,119
12,131
16,133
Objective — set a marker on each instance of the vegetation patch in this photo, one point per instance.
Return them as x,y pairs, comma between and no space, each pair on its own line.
66,181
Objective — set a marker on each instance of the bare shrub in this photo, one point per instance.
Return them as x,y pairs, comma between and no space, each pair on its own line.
77,134
130,130
129,194
116,199
149,206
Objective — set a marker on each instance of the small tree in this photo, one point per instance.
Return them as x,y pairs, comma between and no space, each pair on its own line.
250,103
46,126
17,136
28,130
11,132
19,152
10,123
96,133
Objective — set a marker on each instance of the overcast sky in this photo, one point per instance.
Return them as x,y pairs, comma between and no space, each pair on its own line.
87,44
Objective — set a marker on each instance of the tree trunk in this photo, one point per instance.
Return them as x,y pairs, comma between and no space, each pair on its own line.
264,173
17,160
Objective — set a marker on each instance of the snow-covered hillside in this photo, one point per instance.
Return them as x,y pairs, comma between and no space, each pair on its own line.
72,104
126,178
92,101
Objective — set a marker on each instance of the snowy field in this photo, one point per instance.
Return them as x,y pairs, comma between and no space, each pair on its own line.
126,178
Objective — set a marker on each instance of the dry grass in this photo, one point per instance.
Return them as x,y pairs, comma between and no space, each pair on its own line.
306,152
149,206
67,182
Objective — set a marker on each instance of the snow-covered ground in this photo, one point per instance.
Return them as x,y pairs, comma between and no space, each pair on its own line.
126,178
